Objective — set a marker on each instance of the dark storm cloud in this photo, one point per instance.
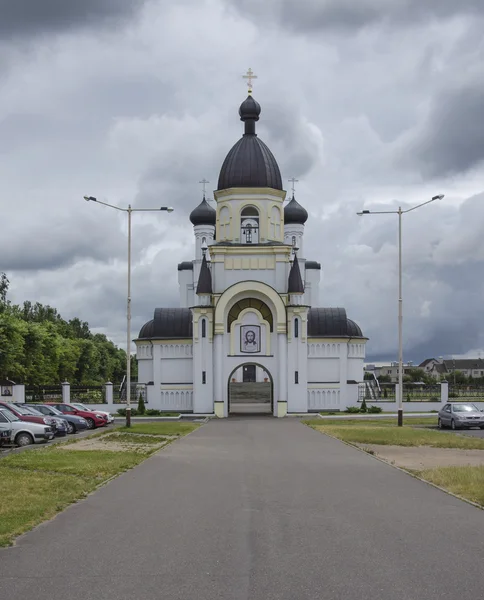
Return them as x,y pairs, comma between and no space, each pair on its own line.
452,139
31,17
315,15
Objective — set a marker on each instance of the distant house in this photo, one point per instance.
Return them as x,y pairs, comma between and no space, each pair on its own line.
470,367
387,369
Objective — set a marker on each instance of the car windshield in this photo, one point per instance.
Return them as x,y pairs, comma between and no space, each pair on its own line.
55,411
32,411
9,414
79,405
465,408
20,409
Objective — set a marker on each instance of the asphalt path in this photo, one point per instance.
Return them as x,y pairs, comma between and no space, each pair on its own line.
255,509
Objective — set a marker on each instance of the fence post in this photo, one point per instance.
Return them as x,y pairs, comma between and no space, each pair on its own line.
444,392
66,392
109,392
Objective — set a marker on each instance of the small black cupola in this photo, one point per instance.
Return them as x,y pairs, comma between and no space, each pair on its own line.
294,213
203,214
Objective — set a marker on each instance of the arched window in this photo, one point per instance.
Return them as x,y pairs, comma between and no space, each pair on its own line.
204,328
249,225
296,328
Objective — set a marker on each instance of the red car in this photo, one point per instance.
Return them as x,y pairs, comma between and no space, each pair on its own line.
26,415
93,418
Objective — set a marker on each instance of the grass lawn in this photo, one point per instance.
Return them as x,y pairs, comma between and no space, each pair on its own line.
467,482
375,432
161,428
380,422
38,483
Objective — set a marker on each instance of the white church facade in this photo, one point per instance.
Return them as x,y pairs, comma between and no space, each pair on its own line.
249,335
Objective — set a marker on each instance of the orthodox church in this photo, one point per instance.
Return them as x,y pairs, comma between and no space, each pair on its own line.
249,335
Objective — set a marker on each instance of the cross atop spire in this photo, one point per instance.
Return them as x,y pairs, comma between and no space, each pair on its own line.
293,180
249,76
204,184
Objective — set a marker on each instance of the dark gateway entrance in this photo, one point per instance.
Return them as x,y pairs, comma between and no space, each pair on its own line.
250,391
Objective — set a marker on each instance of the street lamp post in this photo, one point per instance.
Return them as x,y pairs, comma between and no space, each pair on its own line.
399,212
128,210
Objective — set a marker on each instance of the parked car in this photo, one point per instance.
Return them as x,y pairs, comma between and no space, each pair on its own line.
458,415
74,423
5,430
109,416
24,414
60,423
93,418
24,432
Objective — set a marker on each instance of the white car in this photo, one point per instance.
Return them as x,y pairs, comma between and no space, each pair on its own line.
80,406
25,433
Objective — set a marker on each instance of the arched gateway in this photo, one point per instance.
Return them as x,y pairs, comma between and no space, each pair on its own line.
247,336
250,390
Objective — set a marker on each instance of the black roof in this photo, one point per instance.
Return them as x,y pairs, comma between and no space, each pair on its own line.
203,214
185,266
312,264
295,283
168,323
331,322
295,213
250,163
204,279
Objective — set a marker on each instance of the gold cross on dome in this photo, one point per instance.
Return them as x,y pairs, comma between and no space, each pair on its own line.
293,180
204,183
249,76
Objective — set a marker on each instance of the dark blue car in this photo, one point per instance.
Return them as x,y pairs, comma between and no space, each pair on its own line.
73,422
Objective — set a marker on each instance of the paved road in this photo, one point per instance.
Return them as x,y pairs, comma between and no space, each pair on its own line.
255,509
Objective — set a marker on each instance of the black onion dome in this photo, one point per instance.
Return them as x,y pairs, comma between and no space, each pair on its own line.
250,163
331,322
167,324
295,213
249,109
203,214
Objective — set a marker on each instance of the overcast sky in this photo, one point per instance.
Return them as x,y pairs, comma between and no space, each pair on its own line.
370,104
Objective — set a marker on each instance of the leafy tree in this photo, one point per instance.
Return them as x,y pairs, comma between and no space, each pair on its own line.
39,347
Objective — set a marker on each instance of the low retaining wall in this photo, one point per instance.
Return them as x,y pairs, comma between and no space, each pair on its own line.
416,406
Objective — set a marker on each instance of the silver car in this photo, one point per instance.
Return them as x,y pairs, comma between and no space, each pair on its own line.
25,433
460,415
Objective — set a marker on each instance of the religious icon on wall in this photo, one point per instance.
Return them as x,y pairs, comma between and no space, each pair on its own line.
250,338
6,390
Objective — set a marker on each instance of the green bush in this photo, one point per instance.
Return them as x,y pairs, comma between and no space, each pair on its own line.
152,412
409,399
385,393
352,409
363,407
122,412
453,395
434,399
141,405
374,409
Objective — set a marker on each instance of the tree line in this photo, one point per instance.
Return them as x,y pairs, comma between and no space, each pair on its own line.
39,347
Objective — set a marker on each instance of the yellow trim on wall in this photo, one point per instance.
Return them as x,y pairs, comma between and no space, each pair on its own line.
172,341
261,191
249,289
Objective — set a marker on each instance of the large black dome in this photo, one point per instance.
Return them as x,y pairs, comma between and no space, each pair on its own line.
250,163
203,214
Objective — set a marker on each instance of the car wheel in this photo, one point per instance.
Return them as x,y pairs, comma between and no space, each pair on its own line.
440,424
70,428
90,423
24,439
453,425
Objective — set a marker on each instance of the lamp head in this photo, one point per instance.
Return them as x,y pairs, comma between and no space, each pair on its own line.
167,208
90,199
363,212
438,197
